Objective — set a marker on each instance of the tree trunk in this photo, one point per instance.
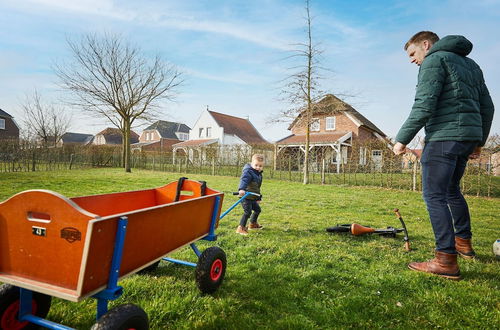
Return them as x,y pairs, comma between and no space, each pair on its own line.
126,145
306,158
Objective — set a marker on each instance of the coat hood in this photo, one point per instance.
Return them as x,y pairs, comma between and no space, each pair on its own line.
456,44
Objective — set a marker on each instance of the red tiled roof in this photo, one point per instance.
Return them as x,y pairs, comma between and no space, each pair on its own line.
332,104
240,127
193,143
313,138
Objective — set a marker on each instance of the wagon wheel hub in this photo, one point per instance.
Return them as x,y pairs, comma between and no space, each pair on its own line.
9,319
216,270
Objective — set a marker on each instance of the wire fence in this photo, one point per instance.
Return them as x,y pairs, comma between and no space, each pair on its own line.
369,164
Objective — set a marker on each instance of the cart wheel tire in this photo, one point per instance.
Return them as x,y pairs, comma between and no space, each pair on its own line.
9,308
211,269
123,317
149,269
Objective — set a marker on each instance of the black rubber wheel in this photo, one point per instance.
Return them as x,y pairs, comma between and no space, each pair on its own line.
123,317
149,269
9,308
211,269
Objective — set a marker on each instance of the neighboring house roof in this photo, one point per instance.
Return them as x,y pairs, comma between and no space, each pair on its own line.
69,137
332,104
195,143
240,127
114,136
4,114
313,138
167,129
163,143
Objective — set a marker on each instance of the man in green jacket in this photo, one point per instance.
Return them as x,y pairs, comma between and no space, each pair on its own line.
452,102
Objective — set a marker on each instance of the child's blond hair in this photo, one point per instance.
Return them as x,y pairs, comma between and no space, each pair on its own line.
258,157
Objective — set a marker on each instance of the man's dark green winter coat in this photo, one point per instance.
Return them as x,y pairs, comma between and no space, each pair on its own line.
452,100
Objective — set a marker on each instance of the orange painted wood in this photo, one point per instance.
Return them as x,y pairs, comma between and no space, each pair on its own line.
52,257
156,227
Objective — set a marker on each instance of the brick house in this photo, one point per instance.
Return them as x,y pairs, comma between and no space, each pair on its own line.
9,130
161,135
113,136
411,158
338,134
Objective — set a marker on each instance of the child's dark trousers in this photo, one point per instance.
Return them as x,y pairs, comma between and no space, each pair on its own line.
248,207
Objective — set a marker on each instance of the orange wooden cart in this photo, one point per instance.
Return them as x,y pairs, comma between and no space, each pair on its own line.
73,248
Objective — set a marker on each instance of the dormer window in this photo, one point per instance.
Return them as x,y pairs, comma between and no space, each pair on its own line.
314,125
2,123
330,123
182,136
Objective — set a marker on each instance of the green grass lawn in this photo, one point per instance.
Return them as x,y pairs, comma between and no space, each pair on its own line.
292,274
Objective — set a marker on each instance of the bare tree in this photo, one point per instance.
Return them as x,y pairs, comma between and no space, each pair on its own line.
301,87
112,79
44,122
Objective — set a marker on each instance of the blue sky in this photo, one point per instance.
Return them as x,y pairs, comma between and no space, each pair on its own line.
233,53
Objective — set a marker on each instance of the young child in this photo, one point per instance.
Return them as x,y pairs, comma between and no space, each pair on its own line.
251,180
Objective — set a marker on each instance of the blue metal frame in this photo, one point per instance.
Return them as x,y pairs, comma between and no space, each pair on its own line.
113,290
239,201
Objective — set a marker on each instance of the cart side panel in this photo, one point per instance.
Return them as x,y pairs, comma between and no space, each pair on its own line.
151,234
42,238
109,204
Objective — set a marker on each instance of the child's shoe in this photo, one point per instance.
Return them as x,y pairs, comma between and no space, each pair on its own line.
255,225
242,230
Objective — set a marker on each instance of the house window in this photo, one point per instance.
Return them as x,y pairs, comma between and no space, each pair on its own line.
362,156
201,132
2,123
330,123
376,153
182,136
209,131
315,125
147,136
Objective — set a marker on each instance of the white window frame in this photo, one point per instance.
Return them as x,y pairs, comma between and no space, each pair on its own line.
313,127
209,131
362,156
2,123
330,120
200,132
183,136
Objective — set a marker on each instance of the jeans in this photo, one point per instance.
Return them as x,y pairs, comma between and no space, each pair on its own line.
443,165
248,207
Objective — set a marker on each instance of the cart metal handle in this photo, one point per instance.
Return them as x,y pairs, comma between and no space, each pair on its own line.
239,201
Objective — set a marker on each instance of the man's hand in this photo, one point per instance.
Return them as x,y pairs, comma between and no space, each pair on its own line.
476,153
399,148
241,192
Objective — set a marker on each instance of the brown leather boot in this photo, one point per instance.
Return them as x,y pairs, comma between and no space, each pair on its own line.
255,225
464,248
242,230
444,265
